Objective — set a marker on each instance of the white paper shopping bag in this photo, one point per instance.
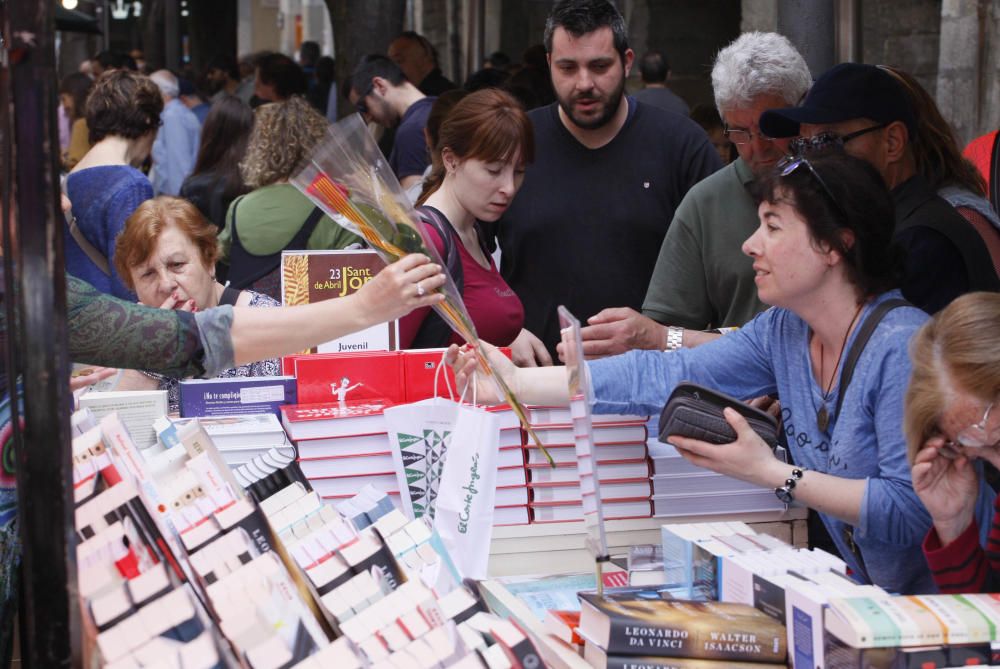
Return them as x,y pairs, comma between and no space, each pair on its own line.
467,492
419,434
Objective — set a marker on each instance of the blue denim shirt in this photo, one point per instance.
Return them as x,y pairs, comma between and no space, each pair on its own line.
771,354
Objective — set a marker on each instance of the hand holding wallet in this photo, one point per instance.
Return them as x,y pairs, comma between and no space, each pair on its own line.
696,411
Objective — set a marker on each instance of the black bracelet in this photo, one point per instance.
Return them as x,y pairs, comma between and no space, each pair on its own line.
784,493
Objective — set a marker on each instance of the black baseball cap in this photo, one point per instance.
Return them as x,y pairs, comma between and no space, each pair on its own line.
844,92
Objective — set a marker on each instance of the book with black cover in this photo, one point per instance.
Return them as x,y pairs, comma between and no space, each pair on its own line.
645,624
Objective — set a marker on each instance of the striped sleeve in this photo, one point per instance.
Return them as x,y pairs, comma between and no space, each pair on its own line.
963,565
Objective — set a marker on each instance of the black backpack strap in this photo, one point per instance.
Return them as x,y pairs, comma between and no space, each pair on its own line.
301,238
246,268
995,172
229,296
858,347
434,332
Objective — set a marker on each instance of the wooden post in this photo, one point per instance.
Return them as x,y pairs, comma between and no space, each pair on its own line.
50,632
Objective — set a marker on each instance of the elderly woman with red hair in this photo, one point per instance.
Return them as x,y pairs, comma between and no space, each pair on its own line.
166,253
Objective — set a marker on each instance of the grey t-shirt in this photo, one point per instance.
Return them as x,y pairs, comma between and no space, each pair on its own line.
664,98
702,278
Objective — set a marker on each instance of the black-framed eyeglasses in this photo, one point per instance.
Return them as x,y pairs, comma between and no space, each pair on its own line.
360,105
745,136
789,164
828,139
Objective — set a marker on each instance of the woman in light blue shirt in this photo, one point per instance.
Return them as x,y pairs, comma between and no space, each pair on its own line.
823,258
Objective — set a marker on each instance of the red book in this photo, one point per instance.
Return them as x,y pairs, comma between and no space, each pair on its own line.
318,421
350,377
419,368
563,624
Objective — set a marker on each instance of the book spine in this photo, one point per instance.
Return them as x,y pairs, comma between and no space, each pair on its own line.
626,662
739,639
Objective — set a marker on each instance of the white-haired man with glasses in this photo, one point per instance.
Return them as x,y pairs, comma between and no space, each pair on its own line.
702,279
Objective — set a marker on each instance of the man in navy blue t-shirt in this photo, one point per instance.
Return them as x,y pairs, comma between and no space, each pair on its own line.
381,93
587,225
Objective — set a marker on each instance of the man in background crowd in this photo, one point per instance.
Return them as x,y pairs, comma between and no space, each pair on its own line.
865,110
416,57
702,278
585,229
655,70
176,144
381,93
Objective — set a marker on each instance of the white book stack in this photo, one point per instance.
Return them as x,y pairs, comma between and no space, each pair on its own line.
622,466
683,489
239,438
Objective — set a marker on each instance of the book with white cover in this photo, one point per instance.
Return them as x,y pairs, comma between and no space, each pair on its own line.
240,431
604,433
378,463
348,486
628,471
334,419
611,492
700,484
602,453
762,499
342,447
137,409
611,510
540,416
511,515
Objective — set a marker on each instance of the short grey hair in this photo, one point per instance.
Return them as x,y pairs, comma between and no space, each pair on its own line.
166,82
757,64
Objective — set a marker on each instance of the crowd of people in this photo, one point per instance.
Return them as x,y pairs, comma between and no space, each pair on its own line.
765,246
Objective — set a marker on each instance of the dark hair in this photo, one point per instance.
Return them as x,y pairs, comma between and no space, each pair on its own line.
858,201
439,111
325,70
375,65
224,140
707,116
225,63
489,77
114,60
938,157
280,71
654,67
123,103
581,17
77,85
487,125
498,59
309,53
424,43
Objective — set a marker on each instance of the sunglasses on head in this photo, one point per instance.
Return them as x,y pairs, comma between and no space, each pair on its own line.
790,164
827,140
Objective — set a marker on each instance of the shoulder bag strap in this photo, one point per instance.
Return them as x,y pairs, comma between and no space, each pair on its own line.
229,296
995,173
95,256
858,347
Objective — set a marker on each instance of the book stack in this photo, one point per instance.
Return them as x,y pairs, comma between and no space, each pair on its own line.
238,438
683,489
622,466
926,631
342,447
647,628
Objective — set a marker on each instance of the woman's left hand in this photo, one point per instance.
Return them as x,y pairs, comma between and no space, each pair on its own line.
748,458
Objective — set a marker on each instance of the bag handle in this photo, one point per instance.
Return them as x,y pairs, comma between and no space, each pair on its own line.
437,375
858,347
89,249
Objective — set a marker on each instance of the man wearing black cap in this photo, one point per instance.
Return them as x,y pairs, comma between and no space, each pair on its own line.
864,110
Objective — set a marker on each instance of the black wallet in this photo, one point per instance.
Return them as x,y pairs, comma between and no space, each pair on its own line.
695,411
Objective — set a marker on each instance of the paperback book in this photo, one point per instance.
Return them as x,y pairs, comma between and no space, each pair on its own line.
237,395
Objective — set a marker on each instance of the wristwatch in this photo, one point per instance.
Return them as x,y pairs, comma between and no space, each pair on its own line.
784,493
675,338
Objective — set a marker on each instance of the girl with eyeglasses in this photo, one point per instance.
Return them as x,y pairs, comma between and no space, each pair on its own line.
823,257
952,420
